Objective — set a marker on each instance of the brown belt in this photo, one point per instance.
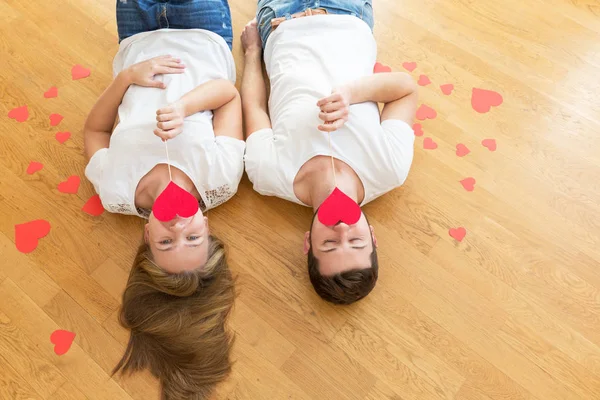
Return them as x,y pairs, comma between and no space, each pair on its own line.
275,22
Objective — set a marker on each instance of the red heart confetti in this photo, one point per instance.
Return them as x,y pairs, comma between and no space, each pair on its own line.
423,80
379,68
409,66
468,184
70,186
28,234
489,143
55,119
483,100
62,137
447,89
34,167
20,114
93,206
458,233
425,112
339,207
62,341
174,201
429,144
462,150
418,129
51,93
80,72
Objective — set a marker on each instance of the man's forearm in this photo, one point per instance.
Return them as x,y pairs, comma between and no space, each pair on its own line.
254,94
208,96
381,88
104,113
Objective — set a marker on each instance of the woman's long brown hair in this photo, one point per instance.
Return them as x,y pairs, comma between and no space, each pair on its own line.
177,324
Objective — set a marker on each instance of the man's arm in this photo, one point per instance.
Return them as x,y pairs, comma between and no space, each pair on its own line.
398,91
254,91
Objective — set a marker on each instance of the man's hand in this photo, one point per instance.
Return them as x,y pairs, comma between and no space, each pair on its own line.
142,73
335,109
251,40
169,121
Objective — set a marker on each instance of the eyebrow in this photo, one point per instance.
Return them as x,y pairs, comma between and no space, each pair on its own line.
187,245
335,248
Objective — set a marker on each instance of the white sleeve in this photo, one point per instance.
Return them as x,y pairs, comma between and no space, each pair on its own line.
401,139
258,148
95,167
232,164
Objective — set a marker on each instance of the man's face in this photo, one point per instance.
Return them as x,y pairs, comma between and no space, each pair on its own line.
340,247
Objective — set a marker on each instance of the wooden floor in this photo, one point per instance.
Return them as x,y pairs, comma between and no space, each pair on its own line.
512,312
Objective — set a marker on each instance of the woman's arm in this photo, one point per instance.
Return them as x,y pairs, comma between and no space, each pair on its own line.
219,96
398,91
99,123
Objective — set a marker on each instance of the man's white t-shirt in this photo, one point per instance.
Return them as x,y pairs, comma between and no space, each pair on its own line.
306,58
213,163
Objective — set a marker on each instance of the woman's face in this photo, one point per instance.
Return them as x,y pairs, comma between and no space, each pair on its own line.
178,245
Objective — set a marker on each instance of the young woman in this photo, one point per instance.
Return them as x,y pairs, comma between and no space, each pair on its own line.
173,88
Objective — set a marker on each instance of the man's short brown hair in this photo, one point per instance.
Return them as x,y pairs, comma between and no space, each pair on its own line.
346,287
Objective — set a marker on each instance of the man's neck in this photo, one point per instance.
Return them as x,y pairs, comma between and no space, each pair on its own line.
320,185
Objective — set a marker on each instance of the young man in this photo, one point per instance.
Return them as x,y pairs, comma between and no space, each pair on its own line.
319,57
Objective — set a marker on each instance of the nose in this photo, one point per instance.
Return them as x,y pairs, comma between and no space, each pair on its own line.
179,224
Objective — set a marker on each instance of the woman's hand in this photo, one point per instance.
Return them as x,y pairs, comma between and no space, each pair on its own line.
251,40
335,109
143,73
169,121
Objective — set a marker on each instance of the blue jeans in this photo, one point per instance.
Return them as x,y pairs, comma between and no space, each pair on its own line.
269,9
135,16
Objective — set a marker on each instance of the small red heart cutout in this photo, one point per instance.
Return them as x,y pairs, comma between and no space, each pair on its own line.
19,114
458,233
483,100
429,144
93,206
462,150
34,167
70,186
28,234
79,72
339,207
51,93
379,68
489,143
468,184
423,80
55,119
409,66
418,129
425,112
447,89
62,341
62,137
174,201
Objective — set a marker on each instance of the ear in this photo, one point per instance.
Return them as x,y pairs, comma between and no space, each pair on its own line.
306,242
373,235
147,233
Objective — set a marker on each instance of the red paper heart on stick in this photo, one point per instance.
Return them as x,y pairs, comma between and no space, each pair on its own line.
174,201
28,234
339,207
62,341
